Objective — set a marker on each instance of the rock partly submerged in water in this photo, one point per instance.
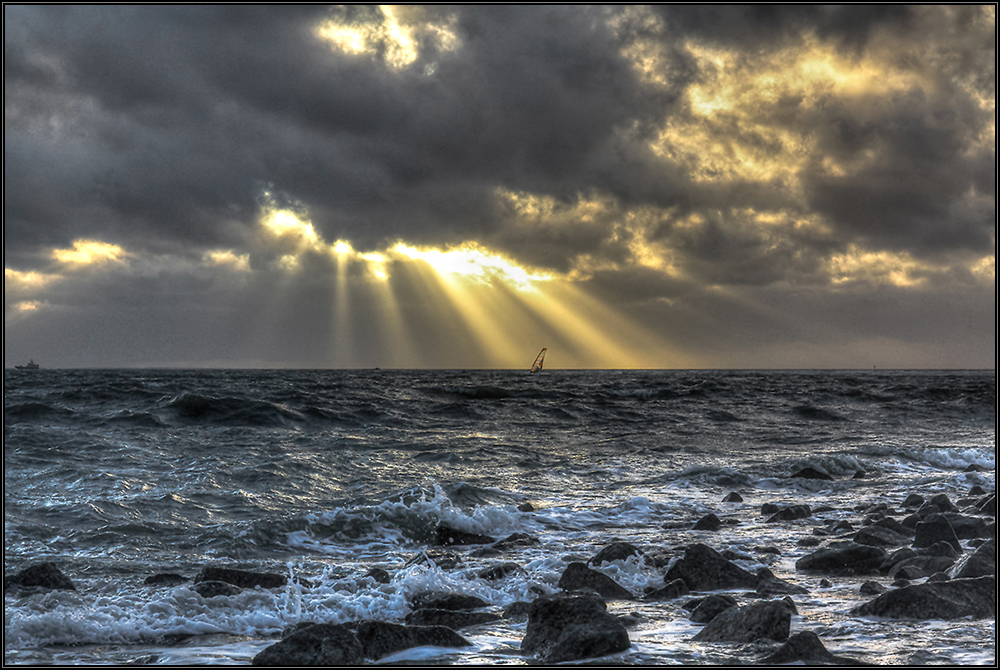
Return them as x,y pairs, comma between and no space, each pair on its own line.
771,619
44,575
572,626
578,576
982,563
454,619
616,551
953,599
242,578
705,609
769,586
843,558
807,648
351,644
672,590
704,569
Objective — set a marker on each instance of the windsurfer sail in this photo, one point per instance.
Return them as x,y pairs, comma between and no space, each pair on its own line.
537,365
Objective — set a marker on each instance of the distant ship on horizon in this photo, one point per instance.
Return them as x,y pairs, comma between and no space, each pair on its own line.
30,365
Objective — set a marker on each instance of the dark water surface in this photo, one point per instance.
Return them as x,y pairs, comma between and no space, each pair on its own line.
119,474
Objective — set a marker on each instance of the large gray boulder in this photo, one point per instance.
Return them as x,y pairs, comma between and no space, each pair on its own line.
983,562
935,528
579,576
770,619
241,578
316,644
843,558
379,638
44,575
953,599
806,647
572,626
704,569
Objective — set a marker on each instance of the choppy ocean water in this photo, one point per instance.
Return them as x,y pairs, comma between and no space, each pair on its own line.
321,475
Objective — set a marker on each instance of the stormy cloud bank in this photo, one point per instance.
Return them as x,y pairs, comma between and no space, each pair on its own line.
718,186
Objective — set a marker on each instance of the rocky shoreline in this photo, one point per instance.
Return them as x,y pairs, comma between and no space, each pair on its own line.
940,556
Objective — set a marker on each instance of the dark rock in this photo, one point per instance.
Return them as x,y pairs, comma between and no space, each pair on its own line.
704,569
859,474
872,589
211,589
767,550
616,551
241,578
44,575
632,619
843,558
935,528
449,618
526,507
982,562
733,497
768,585
316,644
658,557
516,610
446,560
938,577
809,542
988,505
515,540
379,575
893,525
437,600
446,536
379,638
768,508
770,619
165,579
578,576
953,599
941,549
710,607
942,501
878,536
975,467
913,500
968,527
707,522
672,590
497,572
910,522
811,473
825,583
920,566
807,648
977,490
842,527
897,557
790,513
571,626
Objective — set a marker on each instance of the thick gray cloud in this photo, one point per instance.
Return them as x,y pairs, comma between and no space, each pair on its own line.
159,129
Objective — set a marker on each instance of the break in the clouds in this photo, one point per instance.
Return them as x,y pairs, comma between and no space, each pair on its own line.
703,186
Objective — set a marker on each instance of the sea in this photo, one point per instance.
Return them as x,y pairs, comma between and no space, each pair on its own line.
323,475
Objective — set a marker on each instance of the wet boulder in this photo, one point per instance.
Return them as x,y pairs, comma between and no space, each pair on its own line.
878,536
872,589
454,619
578,576
811,473
213,588
705,609
808,649
733,497
441,600
708,522
314,644
843,558
956,598
768,585
704,569
982,562
616,551
935,528
241,578
445,560
920,566
572,626
380,575
380,639
790,513
968,527
446,536
497,572
672,590
44,575
913,500
771,619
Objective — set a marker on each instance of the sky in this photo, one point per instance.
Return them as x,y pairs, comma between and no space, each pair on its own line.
707,186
